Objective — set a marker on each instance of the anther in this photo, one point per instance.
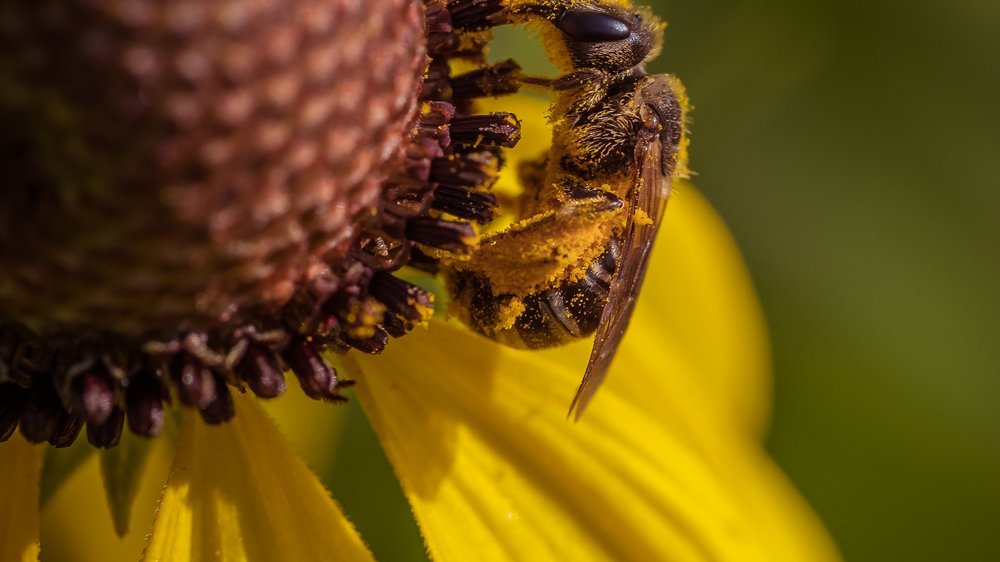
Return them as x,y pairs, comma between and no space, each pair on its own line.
11,337
408,200
144,397
31,359
381,251
12,399
395,326
194,381
220,409
436,81
477,14
41,412
317,378
106,435
473,169
417,164
66,429
500,129
496,80
259,368
373,344
466,203
93,396
441,39
402,298
446,235
432,122
437,18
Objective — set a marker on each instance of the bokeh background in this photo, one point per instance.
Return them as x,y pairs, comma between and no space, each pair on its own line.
854,149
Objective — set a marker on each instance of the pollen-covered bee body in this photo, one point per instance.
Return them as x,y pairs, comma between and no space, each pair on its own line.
566,312
574,262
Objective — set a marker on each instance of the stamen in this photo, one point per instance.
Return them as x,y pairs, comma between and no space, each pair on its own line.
220,409
51,383
106,435
432,124
259,368
94,396
318,380
194,381
31,359
501,129
441,38
11,338
496,80
66,429
373,344
408,200
395,326
472,169
41,412
144,398
381,251
466,203
402,298
436,82
12,399
437,17
446,235
474,15
439,44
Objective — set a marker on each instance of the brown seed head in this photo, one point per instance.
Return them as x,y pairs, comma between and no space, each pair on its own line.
176,165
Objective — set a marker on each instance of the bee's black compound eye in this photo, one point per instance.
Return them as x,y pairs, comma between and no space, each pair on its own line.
592,27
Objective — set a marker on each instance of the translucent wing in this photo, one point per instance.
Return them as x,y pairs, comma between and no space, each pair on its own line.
644,211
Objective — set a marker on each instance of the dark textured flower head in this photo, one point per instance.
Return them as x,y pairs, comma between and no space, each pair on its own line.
201,195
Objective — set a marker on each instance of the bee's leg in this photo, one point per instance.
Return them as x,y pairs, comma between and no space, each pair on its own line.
583,200
590,87
531,178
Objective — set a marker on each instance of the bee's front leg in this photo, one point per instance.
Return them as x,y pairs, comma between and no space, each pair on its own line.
582,200
585,88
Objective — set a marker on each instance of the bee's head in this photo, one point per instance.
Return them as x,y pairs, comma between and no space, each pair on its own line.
607,37
664,105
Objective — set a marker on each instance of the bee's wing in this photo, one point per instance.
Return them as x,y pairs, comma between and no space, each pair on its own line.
648,194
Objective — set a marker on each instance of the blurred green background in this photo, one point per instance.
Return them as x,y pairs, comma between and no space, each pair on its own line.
854,149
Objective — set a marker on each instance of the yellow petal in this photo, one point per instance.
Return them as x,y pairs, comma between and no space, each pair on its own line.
479,439
239,492
311,426
20,473
77,524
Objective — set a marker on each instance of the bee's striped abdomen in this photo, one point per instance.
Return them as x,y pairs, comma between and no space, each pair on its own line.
551,317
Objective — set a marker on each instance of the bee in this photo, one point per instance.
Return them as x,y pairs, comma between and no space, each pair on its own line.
573,263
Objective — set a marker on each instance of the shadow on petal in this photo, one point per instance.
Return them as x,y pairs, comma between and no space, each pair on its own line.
238,492
491,465
20,471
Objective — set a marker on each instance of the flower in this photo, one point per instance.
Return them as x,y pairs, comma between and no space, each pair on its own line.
667,464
